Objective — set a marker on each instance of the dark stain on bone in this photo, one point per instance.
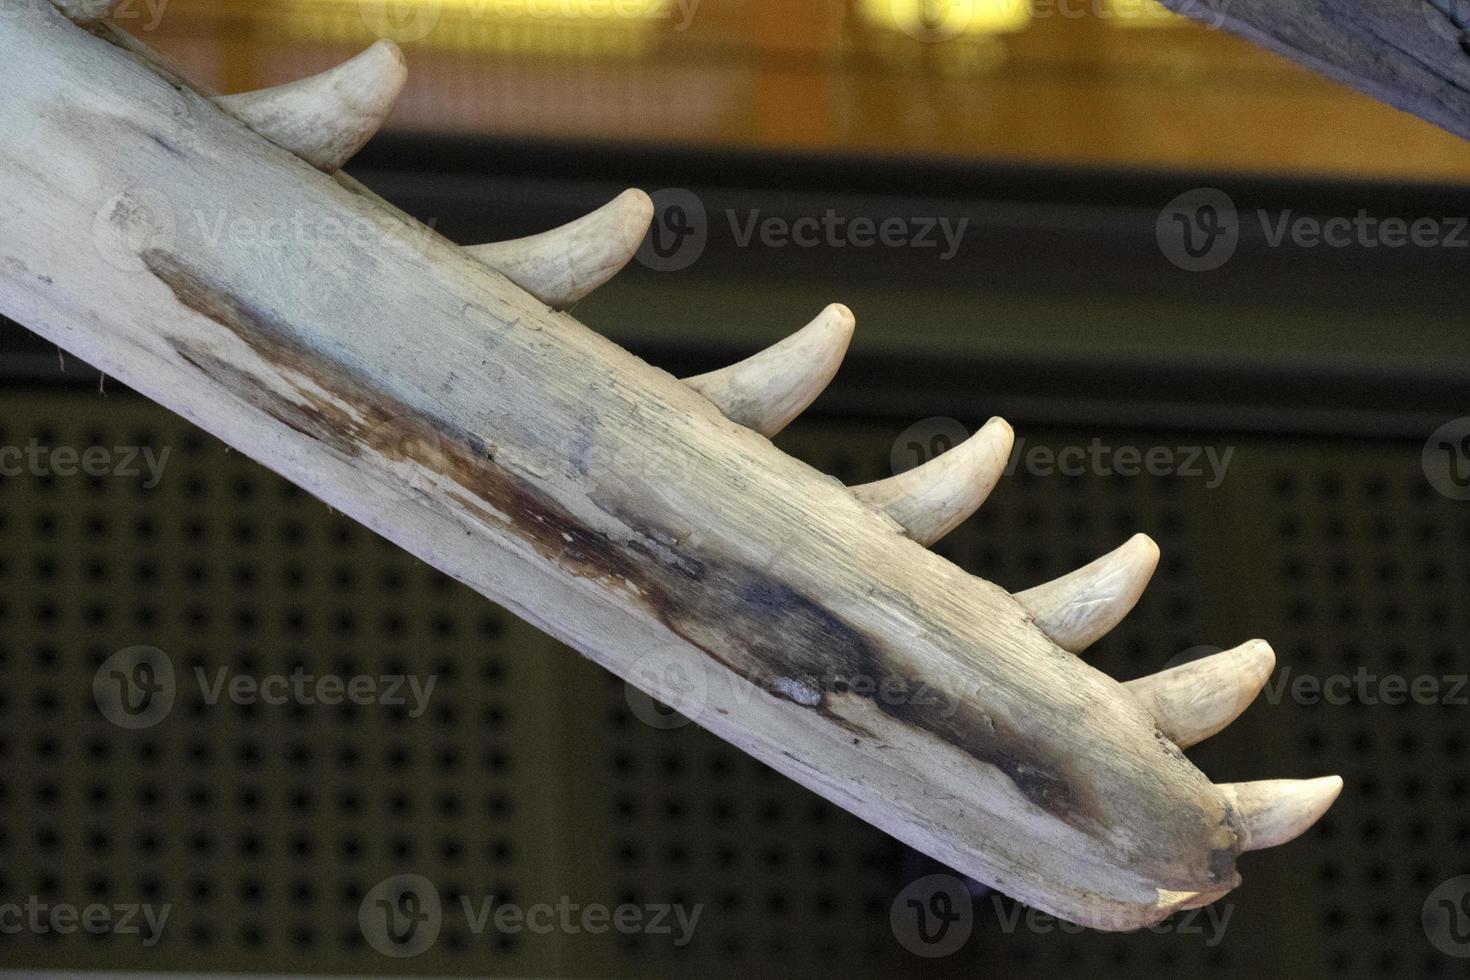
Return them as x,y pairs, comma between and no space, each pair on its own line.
758,626
167,146
1222,864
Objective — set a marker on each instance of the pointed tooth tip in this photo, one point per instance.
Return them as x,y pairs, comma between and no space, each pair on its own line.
839,319
1083,606
766,391
390,48
1260,655
638,203
1144,548
630,214
392,58
384,63
999,432
1278,811
931,500
1195,700
565,265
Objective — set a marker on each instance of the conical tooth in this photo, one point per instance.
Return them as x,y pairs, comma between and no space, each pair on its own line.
767,391
1079,609
86,11
1193,701
933,499
561,266
326,118
1275,811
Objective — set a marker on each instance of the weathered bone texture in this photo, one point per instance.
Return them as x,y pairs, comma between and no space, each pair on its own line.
1411,54
407,384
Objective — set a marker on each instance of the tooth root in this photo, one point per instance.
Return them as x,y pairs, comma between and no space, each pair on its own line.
561,266
85,11
1276,811
933,499
1079,609
326,118
1193,701
767,391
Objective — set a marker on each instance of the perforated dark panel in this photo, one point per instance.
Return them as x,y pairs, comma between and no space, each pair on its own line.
261,825
1372,584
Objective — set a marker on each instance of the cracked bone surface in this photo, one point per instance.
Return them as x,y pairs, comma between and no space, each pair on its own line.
404,383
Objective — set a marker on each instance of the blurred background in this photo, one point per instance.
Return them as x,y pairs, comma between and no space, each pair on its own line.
1230,292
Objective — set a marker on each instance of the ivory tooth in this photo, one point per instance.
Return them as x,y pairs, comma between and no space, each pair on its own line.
1276,811
1079,609
933,499
1193,701
767,391
86,11
561,266
326,118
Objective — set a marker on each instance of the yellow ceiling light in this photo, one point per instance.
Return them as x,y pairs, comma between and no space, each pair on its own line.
938,20
544,27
